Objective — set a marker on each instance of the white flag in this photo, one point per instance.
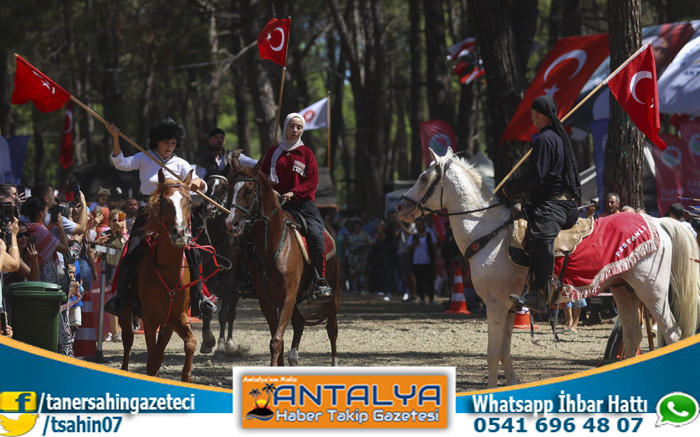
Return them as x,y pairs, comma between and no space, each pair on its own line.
679,85
316,115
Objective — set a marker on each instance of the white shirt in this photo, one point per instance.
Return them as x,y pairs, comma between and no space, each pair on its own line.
421,253
245,161
148,169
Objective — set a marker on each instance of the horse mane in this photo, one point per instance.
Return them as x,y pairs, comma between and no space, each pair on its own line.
471,173
153,203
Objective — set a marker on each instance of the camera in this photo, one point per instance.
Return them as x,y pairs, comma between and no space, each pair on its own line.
76,192
8,212
54,210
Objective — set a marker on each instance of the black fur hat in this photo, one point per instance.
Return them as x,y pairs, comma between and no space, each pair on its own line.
166,129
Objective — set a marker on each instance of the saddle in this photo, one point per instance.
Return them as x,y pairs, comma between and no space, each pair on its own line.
301,229
566,241
329,246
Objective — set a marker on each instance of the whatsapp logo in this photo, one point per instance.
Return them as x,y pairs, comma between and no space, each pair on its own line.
676,409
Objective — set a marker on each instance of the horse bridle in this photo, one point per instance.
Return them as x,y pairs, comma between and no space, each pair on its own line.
223,201
160,210
420,204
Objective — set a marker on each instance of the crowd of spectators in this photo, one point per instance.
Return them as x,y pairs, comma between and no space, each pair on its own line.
393,259
47,236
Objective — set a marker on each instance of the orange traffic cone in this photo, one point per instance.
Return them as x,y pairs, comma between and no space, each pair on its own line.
85,344
522,320
458,303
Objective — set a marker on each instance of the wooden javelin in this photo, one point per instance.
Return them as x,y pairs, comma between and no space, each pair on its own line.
130,141
588,96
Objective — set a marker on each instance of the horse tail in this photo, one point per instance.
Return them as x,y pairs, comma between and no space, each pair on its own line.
685,278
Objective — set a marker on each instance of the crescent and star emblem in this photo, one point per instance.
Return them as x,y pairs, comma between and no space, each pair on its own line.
269,38
69,114
579,55
635,80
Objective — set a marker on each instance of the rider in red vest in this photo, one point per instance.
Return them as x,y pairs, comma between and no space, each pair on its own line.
292,169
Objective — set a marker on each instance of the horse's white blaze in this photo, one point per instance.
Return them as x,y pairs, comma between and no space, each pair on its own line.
176,199
232,213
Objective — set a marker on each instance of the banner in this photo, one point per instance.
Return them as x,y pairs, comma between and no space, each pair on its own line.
563,73
634,87
666,40
669,172
436,135
33,85
679,85
316,115
13,152
690,143
274,40
66,156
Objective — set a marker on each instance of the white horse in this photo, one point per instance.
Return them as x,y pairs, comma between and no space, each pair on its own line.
452,183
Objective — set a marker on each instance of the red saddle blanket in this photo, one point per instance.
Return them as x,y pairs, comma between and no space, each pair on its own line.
328,240
617,243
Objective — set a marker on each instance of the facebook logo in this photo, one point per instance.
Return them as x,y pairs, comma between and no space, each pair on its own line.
18,402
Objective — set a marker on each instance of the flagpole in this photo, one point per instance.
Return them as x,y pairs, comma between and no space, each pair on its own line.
284,72
130,141
328,147
588,96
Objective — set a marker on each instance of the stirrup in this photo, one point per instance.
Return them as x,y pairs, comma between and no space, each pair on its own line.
533,298
246,291
321,291
206,306
115,305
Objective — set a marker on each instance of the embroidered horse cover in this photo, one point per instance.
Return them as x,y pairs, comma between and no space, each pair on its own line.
618,242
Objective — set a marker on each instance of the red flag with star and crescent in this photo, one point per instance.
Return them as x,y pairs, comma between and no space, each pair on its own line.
562,75
635,89
274,39
32,84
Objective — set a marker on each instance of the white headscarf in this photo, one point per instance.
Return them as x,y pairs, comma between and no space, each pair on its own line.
285,145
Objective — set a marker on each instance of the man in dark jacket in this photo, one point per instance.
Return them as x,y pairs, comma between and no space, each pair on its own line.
555,190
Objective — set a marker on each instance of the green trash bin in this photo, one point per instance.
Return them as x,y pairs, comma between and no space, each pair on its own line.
34,312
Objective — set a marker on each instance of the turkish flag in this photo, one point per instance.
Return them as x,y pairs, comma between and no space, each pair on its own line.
436,135
639,97
274,39
32,84
561,76
66,157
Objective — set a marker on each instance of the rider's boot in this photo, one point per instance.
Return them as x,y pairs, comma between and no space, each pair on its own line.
201,305
321,290
535,298
123,279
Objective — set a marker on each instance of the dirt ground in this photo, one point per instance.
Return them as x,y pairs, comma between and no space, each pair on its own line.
373,332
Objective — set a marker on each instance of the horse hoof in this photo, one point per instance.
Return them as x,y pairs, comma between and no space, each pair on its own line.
230,348
208,340
220,348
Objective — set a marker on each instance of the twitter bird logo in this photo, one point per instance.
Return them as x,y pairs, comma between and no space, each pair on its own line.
21,426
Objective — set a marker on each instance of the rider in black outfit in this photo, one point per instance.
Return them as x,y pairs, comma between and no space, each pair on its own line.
555,190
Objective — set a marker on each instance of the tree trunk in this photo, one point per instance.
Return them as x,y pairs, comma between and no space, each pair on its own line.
624,151
415,112
505,58
439,86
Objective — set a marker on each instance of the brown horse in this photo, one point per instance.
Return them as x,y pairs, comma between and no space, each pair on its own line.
280,275
162,278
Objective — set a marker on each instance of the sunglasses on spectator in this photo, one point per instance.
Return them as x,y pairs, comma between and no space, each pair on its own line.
23,234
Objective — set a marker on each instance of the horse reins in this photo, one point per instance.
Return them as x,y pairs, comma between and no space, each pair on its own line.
420,204
266,219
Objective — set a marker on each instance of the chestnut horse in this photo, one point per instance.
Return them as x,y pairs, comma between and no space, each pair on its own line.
280,275
162,278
